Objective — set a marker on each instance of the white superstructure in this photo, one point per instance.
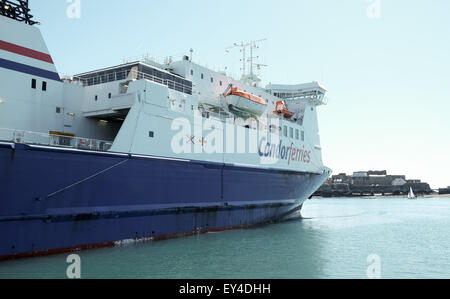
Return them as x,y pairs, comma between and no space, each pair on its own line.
175,110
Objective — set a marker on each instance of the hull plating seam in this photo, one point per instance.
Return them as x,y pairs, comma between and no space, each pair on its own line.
95,215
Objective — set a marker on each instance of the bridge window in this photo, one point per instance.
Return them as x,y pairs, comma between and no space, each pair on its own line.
285,131
137,72
291,133
33,83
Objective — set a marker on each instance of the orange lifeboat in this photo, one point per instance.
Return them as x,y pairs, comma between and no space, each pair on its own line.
243,101
281,108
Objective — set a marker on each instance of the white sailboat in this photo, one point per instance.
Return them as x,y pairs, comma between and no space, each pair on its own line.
411,194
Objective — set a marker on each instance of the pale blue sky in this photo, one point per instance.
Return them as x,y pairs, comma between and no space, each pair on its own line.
388,78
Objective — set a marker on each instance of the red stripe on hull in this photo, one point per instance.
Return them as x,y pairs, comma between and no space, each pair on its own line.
54,251
25,52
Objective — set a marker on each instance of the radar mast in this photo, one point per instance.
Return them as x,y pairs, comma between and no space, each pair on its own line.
250,77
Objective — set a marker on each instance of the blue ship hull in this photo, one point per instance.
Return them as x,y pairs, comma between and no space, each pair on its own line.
55,200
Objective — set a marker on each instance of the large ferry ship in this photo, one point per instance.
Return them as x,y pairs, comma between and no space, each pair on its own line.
143,150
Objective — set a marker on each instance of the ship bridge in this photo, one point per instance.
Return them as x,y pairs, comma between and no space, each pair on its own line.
313,93
114,83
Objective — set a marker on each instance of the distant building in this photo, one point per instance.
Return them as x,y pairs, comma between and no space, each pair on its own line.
372,172
399,182
363,183
360,174
444,190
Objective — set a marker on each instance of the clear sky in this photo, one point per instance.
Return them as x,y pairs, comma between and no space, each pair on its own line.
387,76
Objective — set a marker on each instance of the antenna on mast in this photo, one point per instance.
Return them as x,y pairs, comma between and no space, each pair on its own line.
250,77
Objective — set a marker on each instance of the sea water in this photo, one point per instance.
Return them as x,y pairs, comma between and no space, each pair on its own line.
337,238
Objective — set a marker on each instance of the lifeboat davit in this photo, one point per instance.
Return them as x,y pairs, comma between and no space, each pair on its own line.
244,102
281,109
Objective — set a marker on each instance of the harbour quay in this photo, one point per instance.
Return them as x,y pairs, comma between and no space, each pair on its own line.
371,183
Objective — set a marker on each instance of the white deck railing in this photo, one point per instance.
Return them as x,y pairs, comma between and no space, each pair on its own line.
131,74
35,138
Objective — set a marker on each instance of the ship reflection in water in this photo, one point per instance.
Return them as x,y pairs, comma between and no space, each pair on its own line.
334,240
